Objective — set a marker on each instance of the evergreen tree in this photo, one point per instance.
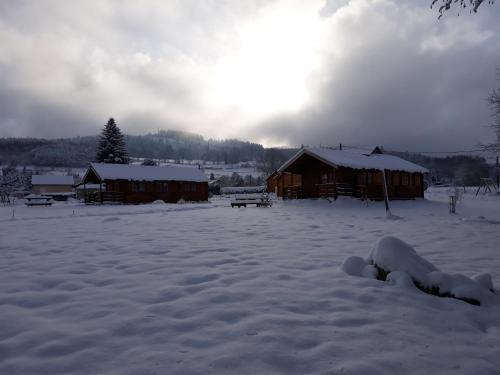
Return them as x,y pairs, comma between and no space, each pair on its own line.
111,148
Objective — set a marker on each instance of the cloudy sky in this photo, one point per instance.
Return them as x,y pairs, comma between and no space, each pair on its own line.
283,72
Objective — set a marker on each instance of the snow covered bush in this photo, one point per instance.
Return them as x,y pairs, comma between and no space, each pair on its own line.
395,261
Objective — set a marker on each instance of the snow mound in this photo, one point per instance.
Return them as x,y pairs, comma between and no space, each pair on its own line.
158,201
390,253
356,266
396,262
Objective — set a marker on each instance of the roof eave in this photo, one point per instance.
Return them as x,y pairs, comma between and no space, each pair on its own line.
301,152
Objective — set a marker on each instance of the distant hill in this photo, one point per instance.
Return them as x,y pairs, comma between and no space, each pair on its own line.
79,151
178,145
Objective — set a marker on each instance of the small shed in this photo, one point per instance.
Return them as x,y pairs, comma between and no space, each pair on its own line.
315,172
57,187
130,183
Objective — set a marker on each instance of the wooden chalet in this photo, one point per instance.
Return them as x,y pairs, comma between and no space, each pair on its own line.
325,172
127,183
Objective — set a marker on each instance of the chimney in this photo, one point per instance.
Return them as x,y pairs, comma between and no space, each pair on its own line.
340,147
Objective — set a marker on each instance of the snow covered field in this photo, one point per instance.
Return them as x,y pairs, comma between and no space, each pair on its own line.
206,289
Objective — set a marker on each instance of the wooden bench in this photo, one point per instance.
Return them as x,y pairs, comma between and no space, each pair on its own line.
260,200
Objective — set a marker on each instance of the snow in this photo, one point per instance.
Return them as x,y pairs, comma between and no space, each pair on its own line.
148,173
405,268
242,189
51,180
357,159
392,254
356,266
203,288
36,196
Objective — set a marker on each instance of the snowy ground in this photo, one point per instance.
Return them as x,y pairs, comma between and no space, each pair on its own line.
206,289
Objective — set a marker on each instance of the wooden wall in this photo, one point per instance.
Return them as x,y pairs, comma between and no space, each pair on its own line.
280,182
41,189
168,191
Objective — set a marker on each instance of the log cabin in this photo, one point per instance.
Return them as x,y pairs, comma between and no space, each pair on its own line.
127,183
315,172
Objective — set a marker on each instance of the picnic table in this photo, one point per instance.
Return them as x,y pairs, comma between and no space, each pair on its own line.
260,200
37,200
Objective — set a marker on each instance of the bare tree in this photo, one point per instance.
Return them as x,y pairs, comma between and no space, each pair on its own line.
446,5
494,102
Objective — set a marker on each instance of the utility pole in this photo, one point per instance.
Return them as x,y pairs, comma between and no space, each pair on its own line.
498,176
386,196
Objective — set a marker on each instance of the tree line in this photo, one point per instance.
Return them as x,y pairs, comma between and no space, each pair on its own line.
164,145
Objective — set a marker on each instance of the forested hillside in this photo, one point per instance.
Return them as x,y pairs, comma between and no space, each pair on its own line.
79,151
177,146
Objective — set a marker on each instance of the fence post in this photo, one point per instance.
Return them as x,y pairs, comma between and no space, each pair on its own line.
453,203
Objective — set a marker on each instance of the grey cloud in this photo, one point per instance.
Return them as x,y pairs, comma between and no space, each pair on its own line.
391,74
27,116
390,91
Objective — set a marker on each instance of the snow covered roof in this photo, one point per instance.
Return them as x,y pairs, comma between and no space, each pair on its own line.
88,186
51,180
36,196
357,159
133,172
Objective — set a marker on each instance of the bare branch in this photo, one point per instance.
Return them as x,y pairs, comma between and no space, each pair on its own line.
446,5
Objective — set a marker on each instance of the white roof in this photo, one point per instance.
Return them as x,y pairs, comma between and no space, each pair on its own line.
356,159
40,179
133,172
35,196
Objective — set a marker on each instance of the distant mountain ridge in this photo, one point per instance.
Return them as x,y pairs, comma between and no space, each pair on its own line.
170,144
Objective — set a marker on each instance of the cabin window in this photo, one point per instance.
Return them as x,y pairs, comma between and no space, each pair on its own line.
134,187
395,178
404,179
161,187
324,178
141,187
193,188
362,178
369,178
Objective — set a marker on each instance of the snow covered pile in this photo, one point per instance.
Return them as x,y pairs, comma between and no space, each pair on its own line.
397,262
158,202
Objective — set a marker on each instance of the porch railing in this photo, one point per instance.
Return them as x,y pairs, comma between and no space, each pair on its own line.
334,190
104,197
345,188
293,192
328,190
